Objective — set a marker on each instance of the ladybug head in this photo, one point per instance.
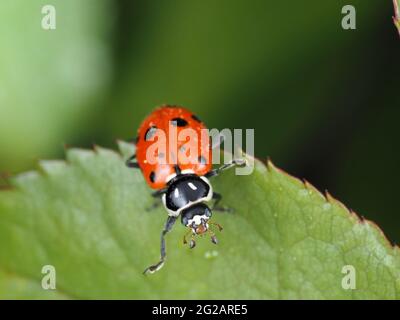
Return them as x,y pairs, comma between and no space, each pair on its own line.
196,217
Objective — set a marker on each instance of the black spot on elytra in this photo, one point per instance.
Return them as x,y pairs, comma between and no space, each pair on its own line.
179,122
150,133
152,176
196,118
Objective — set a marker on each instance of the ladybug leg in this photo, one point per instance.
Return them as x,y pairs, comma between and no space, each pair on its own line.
167,228
154,206
156,194
211,232
185,236
131,164
159,193
218,197
213,237
233,163
192,243
134,140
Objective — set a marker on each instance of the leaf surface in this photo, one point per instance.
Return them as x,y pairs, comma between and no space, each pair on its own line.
87,217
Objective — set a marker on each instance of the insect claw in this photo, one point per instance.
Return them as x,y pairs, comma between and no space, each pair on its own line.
154,268
214,239
192,244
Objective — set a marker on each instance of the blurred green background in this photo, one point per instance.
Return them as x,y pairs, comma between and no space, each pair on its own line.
324,102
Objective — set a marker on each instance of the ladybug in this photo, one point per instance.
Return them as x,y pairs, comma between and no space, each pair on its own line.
179,177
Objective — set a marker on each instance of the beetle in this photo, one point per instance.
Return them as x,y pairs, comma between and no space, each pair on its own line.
183,186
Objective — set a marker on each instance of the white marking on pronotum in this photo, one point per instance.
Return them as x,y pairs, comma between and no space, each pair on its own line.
192,186
197,220
176,193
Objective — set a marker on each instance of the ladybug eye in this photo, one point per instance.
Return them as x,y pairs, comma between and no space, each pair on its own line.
179,122
152,176
150,133
196,118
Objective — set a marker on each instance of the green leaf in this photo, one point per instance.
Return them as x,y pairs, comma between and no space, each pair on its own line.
87,217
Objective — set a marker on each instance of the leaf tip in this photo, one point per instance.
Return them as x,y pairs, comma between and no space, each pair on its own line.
76,155
95,147
52,166
375,226
27,176
313,189
66,146
5,176
5,181
125,148
270,165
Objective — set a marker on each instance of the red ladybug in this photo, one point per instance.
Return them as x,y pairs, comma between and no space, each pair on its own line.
179,176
